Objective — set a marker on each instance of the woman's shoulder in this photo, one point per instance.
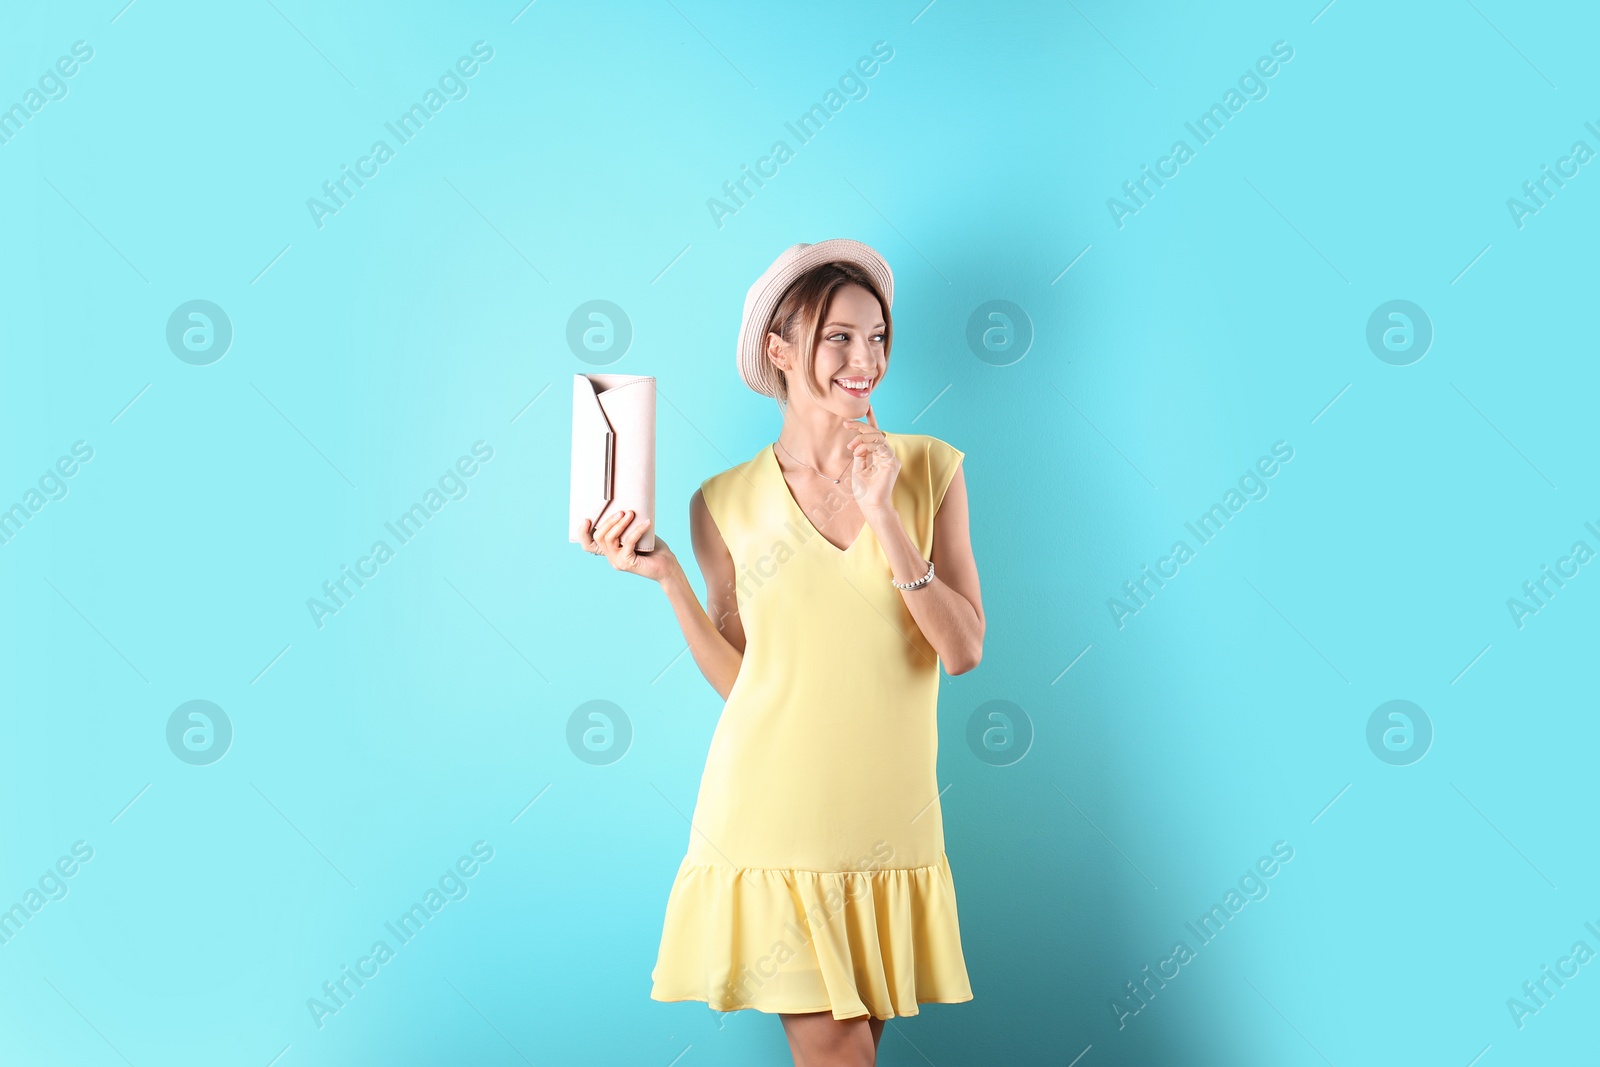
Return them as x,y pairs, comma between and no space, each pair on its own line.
738,474
928,462
935,451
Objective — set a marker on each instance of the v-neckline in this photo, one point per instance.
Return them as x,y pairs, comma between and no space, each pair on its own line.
783,484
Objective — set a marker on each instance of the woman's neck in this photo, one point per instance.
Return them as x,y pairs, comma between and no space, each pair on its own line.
817,437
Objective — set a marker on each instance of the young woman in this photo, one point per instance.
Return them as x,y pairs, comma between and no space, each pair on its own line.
839,575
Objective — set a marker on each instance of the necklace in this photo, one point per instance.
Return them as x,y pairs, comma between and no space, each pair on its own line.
812,469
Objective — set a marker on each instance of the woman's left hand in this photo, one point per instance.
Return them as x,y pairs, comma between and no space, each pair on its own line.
876,466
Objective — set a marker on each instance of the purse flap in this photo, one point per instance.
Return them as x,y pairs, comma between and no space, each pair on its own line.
593,455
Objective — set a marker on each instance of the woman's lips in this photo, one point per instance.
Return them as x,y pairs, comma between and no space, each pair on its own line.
855,392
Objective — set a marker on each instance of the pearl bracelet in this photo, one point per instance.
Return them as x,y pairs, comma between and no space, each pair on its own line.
919,583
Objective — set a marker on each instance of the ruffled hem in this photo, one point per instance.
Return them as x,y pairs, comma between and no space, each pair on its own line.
855,943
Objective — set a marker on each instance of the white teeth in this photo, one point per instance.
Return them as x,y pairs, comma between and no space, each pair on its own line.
854,383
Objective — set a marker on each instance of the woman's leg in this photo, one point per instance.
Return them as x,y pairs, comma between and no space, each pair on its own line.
817,1039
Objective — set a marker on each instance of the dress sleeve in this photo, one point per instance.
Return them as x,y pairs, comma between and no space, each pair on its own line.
943,459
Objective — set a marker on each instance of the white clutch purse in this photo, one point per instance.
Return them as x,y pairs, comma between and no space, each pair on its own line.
613,451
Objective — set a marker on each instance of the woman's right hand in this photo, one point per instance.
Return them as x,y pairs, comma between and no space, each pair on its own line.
610,540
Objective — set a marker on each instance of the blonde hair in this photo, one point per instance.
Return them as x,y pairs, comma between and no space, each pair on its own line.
799,317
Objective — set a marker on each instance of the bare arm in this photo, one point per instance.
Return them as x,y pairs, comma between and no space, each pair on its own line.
715,633
949,609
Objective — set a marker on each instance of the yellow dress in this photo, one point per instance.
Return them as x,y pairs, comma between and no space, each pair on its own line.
816,877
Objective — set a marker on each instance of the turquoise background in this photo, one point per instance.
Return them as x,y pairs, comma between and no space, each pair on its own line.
431,712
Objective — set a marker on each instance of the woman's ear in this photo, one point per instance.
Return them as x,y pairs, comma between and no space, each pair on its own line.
775,351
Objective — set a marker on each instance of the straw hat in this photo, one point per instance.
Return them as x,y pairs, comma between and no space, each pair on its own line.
762,299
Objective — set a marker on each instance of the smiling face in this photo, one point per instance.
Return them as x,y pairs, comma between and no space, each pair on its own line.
850,356
851,339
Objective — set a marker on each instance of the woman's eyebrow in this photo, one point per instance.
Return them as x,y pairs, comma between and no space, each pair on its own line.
851,325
